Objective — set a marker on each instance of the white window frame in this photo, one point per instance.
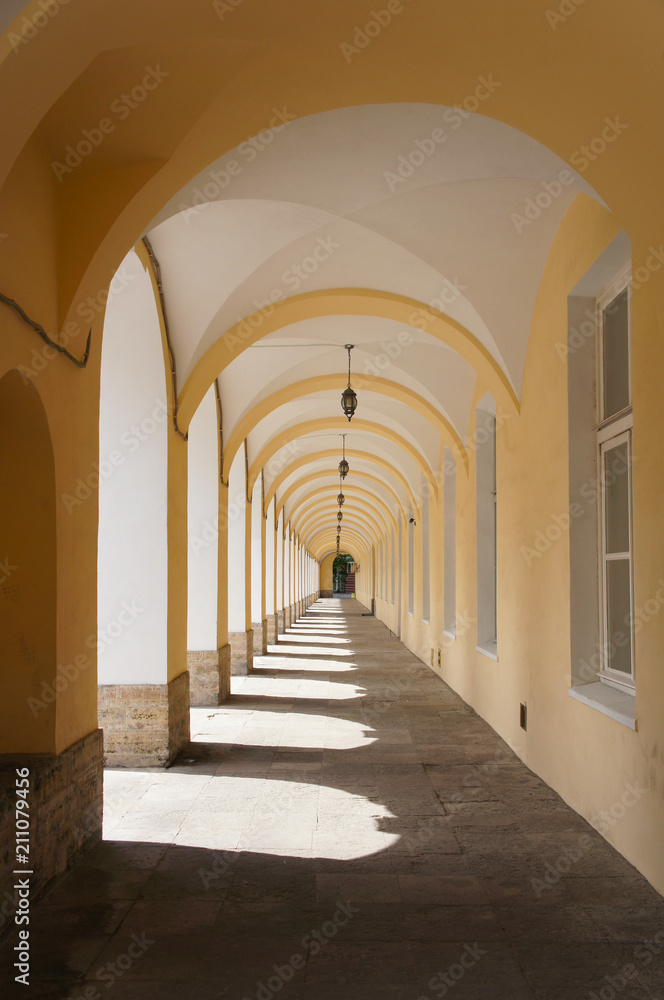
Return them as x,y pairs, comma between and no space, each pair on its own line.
622,281
612,431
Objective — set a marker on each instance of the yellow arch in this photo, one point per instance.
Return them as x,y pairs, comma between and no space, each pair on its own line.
331,423
359,525
363,456
355,515
308,503
314,476
342,302
325,538
322,383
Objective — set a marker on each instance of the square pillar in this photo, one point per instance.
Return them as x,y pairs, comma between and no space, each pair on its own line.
242,652
145,725
280,623
260,637
65,814
209,676
272,629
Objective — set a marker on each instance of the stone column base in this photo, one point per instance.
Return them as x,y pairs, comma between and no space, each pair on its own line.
272,629
287,620
293,613
209,676
260,637
65,813
145,725
242,652
280,623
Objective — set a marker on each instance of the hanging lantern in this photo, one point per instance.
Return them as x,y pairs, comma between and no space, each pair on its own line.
341,499
339,516
338,529
344,467
348,397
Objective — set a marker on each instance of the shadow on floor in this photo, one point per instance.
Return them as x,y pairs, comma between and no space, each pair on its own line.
378,841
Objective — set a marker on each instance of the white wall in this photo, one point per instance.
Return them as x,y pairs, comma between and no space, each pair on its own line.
236,543
256,553
269,560
132,569
202,513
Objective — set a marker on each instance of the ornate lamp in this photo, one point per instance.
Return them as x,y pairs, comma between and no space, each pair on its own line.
344,467
339,516
348,397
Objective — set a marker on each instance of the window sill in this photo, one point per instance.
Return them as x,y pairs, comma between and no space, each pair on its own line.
426,621
450,633
618,705
489,649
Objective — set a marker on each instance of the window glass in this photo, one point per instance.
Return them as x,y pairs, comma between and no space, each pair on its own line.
615,361
618,585
616,485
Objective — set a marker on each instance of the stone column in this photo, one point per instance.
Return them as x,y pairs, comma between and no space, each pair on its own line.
242,652
260,637
209,676
145,725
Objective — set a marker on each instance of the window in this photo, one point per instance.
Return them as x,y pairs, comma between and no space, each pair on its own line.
426,573
614,463
411,561
485,436
449,543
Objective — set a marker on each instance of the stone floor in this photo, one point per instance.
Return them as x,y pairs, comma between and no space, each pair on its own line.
345,828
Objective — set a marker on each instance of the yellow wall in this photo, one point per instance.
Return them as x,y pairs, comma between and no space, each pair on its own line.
589,758
326,572
64,242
